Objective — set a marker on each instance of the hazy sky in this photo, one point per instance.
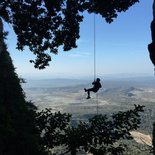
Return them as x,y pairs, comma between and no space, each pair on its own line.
121,47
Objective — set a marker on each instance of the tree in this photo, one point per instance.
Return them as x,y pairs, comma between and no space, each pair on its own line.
51,127
18,132
46,25
99,135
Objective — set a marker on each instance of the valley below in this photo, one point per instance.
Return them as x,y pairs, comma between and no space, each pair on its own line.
68,96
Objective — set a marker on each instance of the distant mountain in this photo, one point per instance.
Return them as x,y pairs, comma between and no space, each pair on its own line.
51,83
129,91
106,82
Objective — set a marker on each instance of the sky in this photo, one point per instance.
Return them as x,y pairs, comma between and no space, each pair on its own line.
121,48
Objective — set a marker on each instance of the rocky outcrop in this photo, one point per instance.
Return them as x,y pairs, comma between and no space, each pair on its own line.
1,36
151,47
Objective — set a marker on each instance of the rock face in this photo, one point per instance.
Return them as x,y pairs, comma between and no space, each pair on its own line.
142,138
1,35
153,25
154,9
151,47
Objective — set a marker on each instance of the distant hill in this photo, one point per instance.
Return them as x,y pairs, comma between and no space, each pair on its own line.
51,83
106,81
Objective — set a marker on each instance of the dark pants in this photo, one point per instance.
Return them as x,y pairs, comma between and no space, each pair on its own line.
91,89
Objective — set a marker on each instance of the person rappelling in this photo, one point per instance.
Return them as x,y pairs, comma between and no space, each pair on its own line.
96,84
95,88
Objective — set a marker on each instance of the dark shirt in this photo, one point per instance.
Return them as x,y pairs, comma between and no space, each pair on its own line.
97,86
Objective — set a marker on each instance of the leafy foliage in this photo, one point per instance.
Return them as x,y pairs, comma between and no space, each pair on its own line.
100,135
18,132
52,127
45,25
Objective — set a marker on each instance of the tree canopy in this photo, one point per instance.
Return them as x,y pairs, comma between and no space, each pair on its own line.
98,135
45,25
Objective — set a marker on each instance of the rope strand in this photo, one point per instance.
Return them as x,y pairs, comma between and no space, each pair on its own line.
94,48
95,61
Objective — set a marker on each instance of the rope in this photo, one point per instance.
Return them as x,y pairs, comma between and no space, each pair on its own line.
95,61
94,48
97,103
